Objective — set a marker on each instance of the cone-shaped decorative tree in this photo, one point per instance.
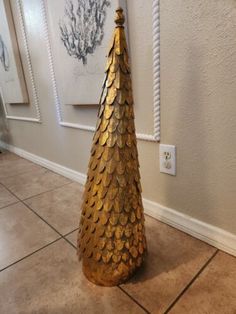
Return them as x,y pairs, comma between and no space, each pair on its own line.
111,238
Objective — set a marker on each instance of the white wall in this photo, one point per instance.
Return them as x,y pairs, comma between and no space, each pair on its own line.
198,112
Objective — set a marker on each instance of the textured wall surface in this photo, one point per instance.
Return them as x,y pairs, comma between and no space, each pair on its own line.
198,111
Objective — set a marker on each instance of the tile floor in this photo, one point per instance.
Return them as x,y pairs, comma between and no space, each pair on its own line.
39,271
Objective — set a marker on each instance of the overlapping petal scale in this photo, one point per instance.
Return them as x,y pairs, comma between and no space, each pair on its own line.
112,220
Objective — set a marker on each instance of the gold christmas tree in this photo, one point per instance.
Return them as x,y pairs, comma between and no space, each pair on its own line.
111,239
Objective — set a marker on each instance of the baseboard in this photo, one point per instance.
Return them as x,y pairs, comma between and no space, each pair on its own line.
3,145
210,234
64,171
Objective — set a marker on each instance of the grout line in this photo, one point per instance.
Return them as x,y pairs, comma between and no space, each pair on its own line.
23,202
11,192
65,235
135,301
45,221
62,236
28,206
21,173
9,205
21,259
25,199
190,283
28,198
70,243
42,219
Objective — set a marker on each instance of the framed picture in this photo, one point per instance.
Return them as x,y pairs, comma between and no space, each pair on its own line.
12,81
79,32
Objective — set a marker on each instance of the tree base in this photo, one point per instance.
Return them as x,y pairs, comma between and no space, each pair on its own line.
107,275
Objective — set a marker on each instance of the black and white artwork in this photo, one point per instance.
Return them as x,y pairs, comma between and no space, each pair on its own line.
82,28
80,32
12,81
4,55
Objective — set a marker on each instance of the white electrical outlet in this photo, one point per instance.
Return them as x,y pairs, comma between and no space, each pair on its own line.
168,159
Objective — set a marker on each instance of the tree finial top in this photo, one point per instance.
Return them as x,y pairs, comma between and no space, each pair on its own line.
119,17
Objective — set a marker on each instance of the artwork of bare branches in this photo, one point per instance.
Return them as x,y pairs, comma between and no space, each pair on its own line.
4,55
79,34
12,81
82,29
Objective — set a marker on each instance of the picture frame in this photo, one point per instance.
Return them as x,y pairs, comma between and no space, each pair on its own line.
79,56
12,80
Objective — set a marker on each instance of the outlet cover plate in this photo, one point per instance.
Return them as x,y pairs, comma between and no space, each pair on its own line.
168,159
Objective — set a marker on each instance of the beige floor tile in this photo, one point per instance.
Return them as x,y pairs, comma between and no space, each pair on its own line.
73,237
32,183
51,281
6,198
60,208
214,291
21,233
12,166
173,259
